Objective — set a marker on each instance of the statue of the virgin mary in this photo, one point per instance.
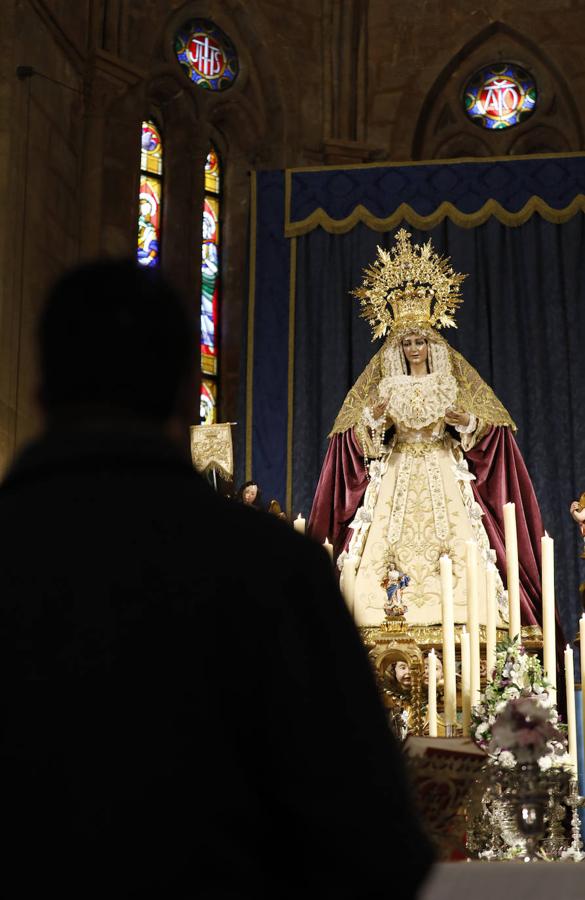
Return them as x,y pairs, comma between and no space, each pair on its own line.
422,456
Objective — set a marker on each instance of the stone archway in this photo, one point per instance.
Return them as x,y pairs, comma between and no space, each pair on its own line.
443,130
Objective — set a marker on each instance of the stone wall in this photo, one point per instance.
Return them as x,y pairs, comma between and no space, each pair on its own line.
41,146
322,81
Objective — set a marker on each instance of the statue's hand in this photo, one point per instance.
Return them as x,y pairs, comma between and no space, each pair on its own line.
379,410
457,417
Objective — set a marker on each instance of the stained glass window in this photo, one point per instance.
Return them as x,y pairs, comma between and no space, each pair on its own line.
500,95
210,285
206,55
208,402
150,197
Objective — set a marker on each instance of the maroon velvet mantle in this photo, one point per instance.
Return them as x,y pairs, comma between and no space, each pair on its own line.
501,476
342,485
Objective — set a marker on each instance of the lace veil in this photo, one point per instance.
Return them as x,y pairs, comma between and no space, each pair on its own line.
473,394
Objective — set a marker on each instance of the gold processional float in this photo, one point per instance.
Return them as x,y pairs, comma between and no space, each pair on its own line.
494,770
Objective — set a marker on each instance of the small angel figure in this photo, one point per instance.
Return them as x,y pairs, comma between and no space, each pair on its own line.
577,510
394,583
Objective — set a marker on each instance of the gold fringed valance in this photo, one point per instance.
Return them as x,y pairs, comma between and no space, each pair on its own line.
514,188
405,213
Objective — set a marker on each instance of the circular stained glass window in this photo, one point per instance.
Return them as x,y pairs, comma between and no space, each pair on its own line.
206,55
500,95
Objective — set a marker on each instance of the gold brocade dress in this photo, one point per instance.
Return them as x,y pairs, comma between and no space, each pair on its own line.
418,505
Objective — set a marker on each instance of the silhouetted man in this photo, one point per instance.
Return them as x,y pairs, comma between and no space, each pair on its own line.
185,707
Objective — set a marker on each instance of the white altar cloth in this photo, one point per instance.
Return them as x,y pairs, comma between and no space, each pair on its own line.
517,880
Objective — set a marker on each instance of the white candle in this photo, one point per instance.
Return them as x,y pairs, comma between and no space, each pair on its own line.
329,548
582,650
473,619
299,524
465,681
450,695
491,616
348,582
548,612
432,663
512,569
571,714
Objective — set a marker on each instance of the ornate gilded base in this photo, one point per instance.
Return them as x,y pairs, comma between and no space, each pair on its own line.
429,636
398,652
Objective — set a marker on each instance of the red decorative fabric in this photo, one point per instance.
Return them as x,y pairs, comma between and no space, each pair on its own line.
501,477
342,484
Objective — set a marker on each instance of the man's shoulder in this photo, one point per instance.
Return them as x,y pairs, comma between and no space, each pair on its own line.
263,533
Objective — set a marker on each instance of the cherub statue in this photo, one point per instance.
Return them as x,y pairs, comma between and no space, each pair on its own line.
577,510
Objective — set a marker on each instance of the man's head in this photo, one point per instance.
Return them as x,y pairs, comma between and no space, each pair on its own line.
116,341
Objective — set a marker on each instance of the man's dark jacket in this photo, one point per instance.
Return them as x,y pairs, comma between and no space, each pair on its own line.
186,709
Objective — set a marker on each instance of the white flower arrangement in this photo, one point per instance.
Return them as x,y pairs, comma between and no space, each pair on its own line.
461,471
341,559
476,511
362,517
516,720
375,470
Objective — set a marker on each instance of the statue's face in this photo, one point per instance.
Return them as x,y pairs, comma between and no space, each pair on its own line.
415,348
402,671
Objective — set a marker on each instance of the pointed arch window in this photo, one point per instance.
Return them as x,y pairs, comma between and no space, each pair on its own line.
150,197
210,287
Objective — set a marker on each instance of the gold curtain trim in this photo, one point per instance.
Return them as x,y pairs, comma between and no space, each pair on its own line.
291,374
404,212
250,342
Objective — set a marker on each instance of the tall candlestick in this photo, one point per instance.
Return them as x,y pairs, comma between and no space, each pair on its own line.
582,652
491,616
512,569
329,547
571,713
432,663
465,681
473,619
548,612
299,524
348,582
449,689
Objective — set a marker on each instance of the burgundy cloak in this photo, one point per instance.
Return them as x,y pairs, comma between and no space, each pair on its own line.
501,476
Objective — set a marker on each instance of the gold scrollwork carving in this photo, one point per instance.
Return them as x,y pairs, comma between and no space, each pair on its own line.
211,449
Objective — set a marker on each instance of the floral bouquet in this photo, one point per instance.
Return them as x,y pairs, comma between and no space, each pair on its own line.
524,788
528,730
516,721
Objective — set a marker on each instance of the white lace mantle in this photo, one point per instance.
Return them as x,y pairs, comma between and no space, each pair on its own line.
418,402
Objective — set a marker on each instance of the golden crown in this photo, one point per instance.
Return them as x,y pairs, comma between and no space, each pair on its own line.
409,287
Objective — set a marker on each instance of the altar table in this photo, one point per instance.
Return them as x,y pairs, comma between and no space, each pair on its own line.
517,880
